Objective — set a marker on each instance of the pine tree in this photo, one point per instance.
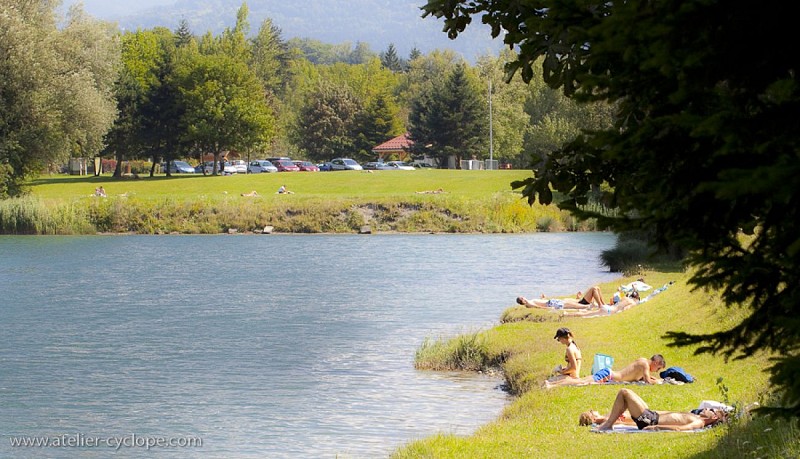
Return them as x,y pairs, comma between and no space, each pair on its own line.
390,60
450,118
183,35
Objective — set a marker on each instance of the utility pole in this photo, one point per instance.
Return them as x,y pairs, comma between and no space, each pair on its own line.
491,140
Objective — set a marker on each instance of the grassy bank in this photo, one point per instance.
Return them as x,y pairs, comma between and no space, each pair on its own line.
544,423
338,202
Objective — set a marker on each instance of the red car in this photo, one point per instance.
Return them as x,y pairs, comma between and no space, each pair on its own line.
284,165
306,166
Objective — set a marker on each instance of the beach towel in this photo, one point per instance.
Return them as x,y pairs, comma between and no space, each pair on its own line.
623,428
639,286
656,292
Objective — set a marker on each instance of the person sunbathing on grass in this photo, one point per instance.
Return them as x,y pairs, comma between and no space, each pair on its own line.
593,297
647,419
620,305
639,370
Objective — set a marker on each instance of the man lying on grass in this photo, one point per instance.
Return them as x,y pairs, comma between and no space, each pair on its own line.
592,298
639,370
629,408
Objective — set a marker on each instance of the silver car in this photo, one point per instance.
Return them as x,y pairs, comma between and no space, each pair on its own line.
261,165
345,164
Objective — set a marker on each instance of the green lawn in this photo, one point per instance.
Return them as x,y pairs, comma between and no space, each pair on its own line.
350,184
544,423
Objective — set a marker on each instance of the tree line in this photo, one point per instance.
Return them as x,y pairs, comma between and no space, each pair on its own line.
79,87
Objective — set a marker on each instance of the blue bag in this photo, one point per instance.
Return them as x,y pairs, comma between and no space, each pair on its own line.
602,361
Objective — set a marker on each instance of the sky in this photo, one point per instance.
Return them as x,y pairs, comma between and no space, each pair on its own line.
396,22
108,8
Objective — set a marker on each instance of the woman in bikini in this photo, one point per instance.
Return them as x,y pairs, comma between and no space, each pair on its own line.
629,408
573,356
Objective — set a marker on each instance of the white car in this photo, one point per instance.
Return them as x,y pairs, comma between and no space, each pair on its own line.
209,168
400,166
261,165
345,164
239,165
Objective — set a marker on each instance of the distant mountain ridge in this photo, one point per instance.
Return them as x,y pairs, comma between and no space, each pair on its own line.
375,22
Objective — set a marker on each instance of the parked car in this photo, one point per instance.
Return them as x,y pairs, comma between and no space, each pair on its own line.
421,164
239,165
306,166
377,166
285,165
261,165
178,167
275,159
209,168
325,167
400,165
345,164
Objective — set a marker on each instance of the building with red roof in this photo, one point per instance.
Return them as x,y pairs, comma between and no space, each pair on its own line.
399,146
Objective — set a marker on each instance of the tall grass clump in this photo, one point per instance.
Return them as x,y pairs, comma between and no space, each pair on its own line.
30,215
465,352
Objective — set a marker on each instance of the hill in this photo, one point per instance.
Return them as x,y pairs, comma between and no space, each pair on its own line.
375,22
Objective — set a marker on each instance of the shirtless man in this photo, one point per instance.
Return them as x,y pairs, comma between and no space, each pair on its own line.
639,370
647,419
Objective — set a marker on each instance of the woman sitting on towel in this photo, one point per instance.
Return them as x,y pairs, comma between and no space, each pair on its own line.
646,419
573,357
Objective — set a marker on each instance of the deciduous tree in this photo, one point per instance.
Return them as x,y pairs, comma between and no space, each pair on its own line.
55,88
224,103
326,123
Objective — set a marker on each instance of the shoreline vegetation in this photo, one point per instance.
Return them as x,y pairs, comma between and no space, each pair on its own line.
329,202
543,422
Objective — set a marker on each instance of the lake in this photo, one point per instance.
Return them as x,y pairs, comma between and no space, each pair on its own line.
257,345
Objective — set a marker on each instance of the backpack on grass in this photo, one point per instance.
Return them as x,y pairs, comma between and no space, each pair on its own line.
678,374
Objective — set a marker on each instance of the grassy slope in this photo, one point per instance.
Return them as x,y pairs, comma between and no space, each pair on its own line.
543,423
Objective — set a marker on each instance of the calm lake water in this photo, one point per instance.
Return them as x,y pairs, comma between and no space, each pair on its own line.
261,346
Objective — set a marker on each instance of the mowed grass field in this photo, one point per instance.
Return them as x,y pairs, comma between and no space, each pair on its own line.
305,185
